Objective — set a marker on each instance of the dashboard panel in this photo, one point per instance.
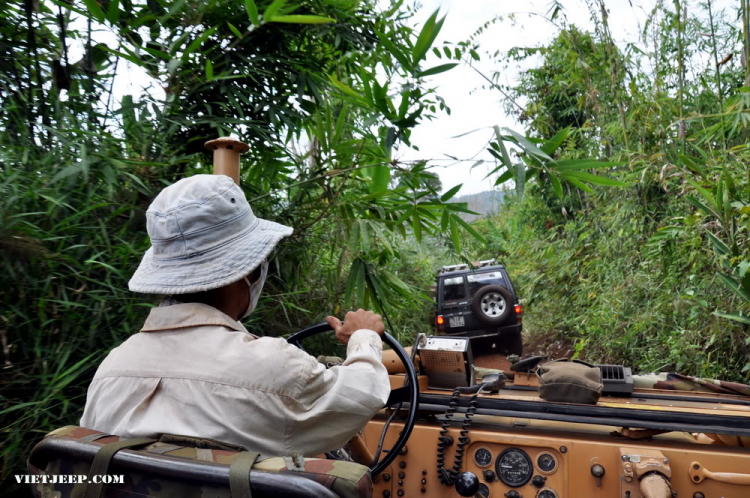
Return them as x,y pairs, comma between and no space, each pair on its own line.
511,458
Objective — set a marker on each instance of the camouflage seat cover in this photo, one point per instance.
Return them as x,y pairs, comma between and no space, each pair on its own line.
345,479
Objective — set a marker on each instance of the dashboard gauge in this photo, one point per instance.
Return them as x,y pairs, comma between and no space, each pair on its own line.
546,462
546,493
484,491
483,457
514,467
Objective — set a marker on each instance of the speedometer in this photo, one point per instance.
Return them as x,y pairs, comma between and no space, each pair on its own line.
514,467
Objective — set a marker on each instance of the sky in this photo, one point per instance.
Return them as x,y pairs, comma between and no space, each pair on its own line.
473,107
476,108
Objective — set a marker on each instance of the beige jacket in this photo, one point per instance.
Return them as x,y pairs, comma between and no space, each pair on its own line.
193,370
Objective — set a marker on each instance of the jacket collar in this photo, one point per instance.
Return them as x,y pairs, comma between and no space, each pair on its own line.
183,315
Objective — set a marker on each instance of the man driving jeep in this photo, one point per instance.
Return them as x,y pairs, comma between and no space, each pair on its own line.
195,370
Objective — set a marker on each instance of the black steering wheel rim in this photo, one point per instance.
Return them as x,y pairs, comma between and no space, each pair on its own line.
411,389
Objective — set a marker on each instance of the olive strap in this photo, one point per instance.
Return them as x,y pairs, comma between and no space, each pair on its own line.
101,463
239,474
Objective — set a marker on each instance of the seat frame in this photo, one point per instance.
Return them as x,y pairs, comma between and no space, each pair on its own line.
262,483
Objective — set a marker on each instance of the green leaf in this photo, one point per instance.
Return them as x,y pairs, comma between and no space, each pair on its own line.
351,282
416,225
592,178
423,40
381,176
576,164
455,236
449,194
437,69
195,44
209,70
272,9
94,9
527,146
691,164
344,88
737,317
234,30
580,185
113,11
706,195
551,145
302,19
736,287
719,246
398,54
520,180
252,13
470,229
695,202
556,185
504,177
157,53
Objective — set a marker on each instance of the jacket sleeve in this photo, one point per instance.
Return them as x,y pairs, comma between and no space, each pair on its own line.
335,404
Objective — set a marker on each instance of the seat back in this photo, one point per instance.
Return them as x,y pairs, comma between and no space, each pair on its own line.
165,470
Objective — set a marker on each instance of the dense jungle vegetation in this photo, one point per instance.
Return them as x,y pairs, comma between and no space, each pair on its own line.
624,225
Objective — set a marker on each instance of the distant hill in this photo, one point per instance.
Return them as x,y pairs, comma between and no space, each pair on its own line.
485,203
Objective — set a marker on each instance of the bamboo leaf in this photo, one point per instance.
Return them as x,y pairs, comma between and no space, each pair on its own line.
580,185
272,9
719,246
449,194
737,317
526,144
302,19
209,70
423,41
592,178
416,224
437,70
504,177
455,236
520,179
470,229
735,287
93,7
344,88
551,145
706,195
576,164
234,30
195,44
381,176
695,202
113,11
398,54
252,13
556,186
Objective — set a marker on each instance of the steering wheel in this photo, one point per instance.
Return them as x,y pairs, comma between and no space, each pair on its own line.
408,393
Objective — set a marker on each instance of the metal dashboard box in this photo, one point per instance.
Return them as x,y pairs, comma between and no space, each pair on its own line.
447,362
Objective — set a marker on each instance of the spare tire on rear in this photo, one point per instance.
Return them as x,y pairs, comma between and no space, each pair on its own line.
492,304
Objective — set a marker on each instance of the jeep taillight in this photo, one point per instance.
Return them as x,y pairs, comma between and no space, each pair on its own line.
519,312
440,322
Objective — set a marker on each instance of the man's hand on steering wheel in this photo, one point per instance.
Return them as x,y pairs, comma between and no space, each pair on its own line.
356,320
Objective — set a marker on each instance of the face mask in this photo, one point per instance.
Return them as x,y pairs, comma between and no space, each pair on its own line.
254,289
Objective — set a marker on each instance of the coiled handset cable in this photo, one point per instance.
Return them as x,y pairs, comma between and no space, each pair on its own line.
491,383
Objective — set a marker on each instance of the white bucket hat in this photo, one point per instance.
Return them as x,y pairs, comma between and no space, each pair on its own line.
203,236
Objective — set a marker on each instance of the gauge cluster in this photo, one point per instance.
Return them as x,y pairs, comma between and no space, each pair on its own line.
512,472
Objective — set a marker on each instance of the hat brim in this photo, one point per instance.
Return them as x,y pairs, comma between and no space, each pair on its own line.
211,269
